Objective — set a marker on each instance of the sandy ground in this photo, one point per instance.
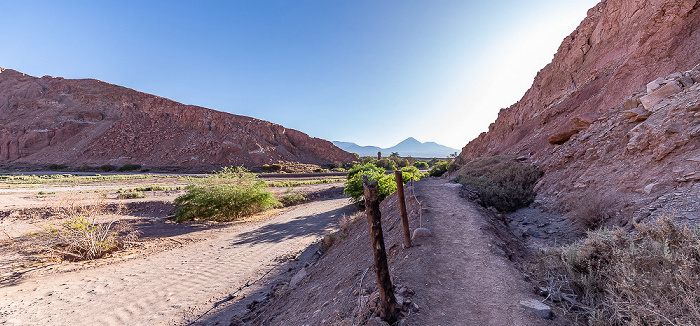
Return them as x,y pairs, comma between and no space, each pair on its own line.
170,286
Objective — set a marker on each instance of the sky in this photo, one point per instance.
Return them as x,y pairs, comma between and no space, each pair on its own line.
373,72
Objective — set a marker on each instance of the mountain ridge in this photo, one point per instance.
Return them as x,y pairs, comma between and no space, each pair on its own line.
51,120
407,147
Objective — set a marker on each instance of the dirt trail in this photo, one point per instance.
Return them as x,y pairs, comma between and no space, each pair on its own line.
169,286
466,279
458,276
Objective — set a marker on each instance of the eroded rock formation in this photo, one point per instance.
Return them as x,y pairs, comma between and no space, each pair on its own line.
88,122
613,119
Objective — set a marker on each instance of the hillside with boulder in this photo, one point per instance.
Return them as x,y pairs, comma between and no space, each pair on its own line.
79,122
614,120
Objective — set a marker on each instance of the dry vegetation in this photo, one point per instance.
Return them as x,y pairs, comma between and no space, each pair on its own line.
501,182
86,228
615,277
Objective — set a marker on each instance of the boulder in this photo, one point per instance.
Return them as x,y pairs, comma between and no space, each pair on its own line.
652,99
421,233
686,80
583,121
297,277
637,114
540,309
631,103
654,85
561,137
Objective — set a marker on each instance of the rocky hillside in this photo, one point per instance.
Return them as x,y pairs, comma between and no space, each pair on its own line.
88,122
613,120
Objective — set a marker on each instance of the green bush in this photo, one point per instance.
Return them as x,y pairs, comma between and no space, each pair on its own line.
386,183
386,163
369,160
500,181
292,197
411,173
131,195
227,195
108,167
647,277
420,164
57,167
129,167
439,169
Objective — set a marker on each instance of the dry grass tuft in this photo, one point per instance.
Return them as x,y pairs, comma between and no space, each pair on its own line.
616,277
89,230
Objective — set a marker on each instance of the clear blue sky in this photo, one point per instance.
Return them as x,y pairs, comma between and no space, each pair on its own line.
368,71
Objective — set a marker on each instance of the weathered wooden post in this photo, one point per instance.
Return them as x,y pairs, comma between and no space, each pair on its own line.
388,308
402,207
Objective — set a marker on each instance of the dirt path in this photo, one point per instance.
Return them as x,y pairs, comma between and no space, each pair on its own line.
458,276
466,279
169,286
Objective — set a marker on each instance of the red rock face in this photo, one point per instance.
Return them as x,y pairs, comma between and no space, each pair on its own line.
54,120
585,108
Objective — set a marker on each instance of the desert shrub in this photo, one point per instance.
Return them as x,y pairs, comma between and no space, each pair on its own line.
420,164
369,160
617,277
411,173
226,195
501,182
57,167
439,169
129,167
81,236
386,183
434,161
107,167
131,195
590,211
387,164
401,163
292,197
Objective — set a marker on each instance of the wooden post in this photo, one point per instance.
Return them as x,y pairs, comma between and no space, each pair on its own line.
402,206
388,308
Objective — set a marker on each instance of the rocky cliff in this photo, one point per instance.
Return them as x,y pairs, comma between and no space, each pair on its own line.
88,122
613,119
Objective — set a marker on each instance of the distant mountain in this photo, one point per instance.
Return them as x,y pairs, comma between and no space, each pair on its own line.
409,147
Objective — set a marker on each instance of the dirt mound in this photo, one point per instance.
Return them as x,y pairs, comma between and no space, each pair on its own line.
89,122
612,120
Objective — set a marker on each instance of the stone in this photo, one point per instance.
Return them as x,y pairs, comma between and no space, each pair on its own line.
693,105
540,309
652,99
636,114
686,80
421,233
561,137
297,277
649,188
583,121
674,128
654,85
693,176
631,103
